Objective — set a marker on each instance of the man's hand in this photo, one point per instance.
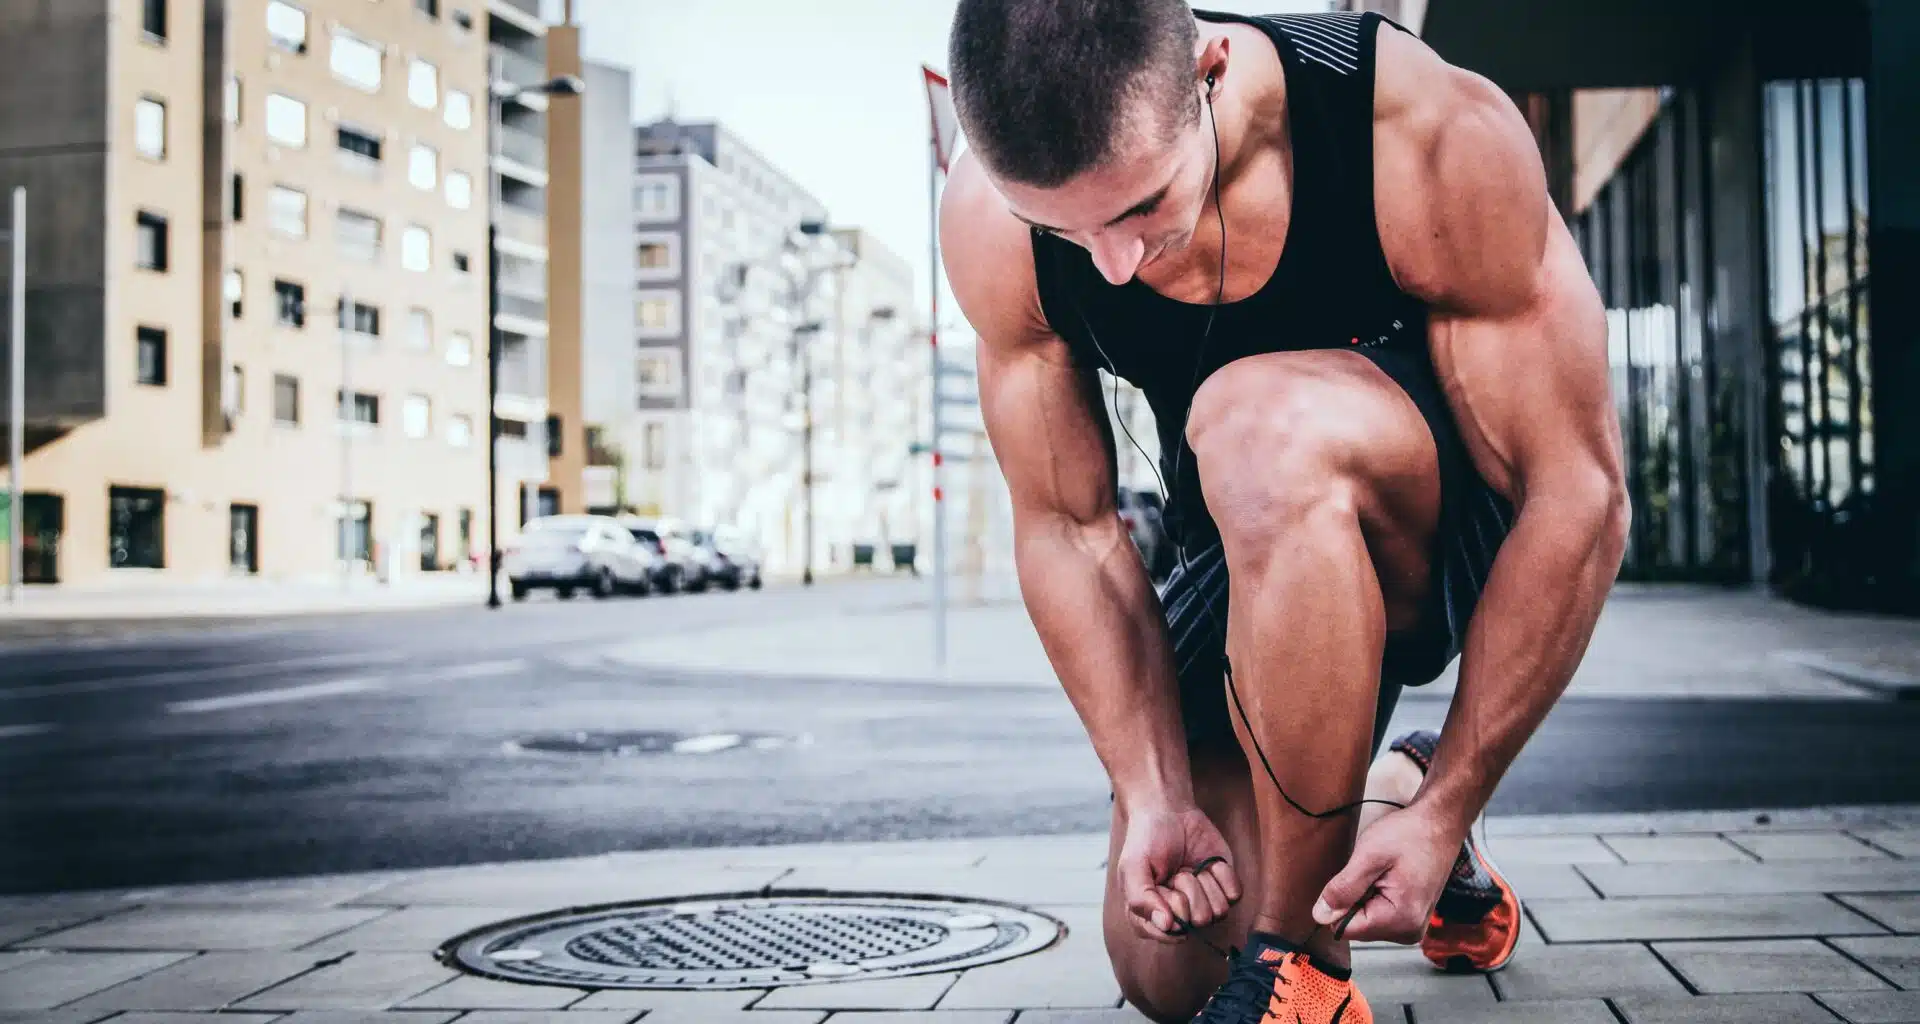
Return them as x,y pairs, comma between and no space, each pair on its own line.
1173,868
1398,867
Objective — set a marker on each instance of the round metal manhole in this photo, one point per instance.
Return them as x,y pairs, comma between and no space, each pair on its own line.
751,941
641,743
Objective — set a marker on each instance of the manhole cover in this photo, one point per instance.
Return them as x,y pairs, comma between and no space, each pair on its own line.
633,744
751,942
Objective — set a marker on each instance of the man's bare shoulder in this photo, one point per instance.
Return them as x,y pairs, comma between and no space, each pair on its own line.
1460,193
988,255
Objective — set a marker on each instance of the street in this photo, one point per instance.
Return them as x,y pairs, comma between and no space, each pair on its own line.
459,736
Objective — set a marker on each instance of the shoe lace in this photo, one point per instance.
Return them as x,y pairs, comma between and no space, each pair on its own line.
1249,994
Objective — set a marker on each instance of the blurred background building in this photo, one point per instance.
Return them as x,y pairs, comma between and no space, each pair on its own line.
1734,174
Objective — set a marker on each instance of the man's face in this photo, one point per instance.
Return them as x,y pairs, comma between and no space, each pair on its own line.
1135,208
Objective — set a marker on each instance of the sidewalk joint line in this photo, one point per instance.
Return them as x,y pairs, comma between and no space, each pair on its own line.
1827,941
1842,904
1678,976
1614,1008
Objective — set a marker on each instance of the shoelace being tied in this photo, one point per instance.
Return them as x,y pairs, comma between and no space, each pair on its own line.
1249,990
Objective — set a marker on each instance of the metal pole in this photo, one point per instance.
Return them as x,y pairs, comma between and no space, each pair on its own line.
933,338
17,400
806,454
348,413
493,358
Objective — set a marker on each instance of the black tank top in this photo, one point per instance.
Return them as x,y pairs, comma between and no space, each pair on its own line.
1331,289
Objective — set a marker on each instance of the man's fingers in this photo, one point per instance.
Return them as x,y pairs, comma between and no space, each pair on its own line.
1380,920
1188,886
1223,874
1177,902
1350,885
1152,917
1215,897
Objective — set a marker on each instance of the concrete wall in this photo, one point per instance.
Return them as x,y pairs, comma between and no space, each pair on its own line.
607,244
564,298
54,139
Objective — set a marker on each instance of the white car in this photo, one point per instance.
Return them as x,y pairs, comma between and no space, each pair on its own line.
566,554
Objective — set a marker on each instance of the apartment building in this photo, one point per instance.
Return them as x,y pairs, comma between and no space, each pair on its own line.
256,283
718,383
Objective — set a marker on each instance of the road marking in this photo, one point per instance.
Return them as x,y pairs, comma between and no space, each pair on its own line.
286,695
8,732
478,670
186,675
712,743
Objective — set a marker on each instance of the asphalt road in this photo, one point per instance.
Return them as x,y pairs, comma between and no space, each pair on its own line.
416,739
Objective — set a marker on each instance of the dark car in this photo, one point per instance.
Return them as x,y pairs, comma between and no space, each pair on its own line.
730,559
676,568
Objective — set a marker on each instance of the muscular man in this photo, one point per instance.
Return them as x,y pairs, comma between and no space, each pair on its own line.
1379,371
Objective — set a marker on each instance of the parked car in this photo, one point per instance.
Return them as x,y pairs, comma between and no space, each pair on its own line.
731,558
681,566
1143,515
570,553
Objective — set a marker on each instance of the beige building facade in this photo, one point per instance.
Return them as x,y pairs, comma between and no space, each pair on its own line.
291,339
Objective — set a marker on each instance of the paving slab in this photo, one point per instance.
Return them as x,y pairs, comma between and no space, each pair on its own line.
363,981
1703,917
1753,1009
166,1017
1547,882
1119,1016
61,978
1893,957
19,956
207,982
922,1017
737,1017
1059,886
918,992
1565,1011
51,1016
369,1017
470,993
1402,975
1777,846
416,929
1768,965
206,928
1073,974
550,1017
23,920
316,892
1899,911
680,1002
1618,880
1683,849
1509,851
1901,842
560,885
1573,972
1874,1007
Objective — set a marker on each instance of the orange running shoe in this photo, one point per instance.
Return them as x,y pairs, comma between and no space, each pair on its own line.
1273,980
1476,924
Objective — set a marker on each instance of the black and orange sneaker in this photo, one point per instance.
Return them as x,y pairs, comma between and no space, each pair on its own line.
1476,924
1273,980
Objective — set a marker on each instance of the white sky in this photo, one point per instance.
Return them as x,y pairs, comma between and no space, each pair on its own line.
829,91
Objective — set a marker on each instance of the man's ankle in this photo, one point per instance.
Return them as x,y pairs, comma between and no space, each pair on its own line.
1317,942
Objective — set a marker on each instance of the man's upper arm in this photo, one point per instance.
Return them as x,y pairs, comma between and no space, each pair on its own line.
1039,407
1518,332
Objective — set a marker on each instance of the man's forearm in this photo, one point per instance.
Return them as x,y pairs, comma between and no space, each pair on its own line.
1528,634
1094,609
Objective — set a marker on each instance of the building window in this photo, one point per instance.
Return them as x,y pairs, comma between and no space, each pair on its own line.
287,26
355,532
459,349
466,528
419,329
355,61
654,256
290,300
513,430
657,198
152,345
430,8
423,84
233,393
153,20
359,143
233,99
463,20
658,314
416,416
462,264
287,211
653,446
150,241
359,407
460,431
287,121
359,318
150,128
423,167
459,190
658,374
235,292
416,248
459,112
136,528
358,235
237,198
286,399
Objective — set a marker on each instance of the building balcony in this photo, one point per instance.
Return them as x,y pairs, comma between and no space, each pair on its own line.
522,147
522,306
525,226
517,69
521,14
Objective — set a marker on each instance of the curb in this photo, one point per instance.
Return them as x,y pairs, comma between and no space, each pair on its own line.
1888,683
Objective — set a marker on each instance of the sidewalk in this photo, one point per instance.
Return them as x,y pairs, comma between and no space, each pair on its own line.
1652,641
1811,916
241,597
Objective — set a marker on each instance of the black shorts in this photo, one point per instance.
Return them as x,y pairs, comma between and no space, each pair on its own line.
1474,520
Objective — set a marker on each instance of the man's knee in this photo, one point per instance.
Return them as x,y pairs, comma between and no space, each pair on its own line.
1276,451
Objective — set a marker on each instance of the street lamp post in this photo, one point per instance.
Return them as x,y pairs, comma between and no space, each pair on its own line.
498,92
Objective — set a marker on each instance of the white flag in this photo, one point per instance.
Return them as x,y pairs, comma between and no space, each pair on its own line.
946,124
